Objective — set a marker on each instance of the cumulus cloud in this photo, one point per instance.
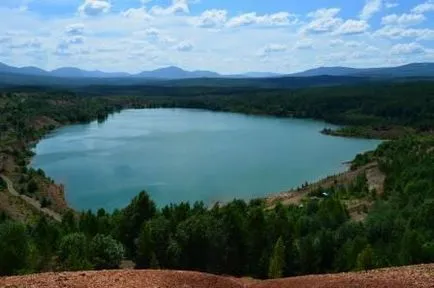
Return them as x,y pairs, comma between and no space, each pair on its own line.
272,48
392,32
94,7
324,13
407,49
390,4
75,40
137,13
177,6
5,39
74,29
351,27
212,18
324,20
403,19
33,43
424,7
184,46
371,8
276,19
304,44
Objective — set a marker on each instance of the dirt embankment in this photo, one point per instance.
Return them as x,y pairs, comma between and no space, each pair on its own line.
402,277
295,196
36,205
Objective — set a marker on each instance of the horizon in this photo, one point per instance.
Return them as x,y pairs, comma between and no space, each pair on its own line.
203,70
220,36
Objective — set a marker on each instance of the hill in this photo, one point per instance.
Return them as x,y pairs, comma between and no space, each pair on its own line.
409,70
406,277
176,73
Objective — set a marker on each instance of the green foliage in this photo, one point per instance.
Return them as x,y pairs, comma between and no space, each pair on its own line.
144,253
238,238
2,184
277,261
105,252
141,209
74,252
366,260
14,248
32,187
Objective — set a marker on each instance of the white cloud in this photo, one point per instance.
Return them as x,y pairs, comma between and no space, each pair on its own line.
94,7
118,39
177,6
400,32
407,49
74,29
424,7
75,40
32,43
5,39
304,44
137,13
184,46
152,32
276,19
403,19
212,18
272,48
324,13
371,7
351,27
324,20
390,4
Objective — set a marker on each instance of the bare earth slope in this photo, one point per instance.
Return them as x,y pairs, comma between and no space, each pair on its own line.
405,277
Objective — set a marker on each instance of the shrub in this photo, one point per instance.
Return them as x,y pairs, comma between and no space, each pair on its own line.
14,248
106,252
73,252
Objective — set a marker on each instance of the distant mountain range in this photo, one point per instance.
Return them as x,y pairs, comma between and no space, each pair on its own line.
174,73
409,70
171,72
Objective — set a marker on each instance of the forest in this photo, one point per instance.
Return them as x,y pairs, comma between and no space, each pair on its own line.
238,238
246,239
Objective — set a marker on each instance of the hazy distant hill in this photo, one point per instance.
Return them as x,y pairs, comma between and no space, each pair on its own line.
172,72
410,70
78,73
330,71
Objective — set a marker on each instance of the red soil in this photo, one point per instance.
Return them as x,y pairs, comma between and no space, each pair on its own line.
405,277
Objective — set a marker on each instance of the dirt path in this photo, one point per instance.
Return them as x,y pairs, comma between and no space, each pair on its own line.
420,276
30,201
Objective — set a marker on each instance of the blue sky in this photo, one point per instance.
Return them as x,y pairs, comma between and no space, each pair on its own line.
226,36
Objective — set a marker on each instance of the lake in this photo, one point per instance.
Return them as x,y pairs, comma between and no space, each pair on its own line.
189,155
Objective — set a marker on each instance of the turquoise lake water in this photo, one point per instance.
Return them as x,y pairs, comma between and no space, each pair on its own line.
189,155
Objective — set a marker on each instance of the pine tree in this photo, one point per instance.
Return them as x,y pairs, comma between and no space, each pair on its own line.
365,259
277,261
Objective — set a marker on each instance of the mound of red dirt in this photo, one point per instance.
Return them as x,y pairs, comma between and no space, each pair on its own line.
412,276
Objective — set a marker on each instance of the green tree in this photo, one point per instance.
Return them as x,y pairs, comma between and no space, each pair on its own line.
32,187
105,252
14,248
145,248
73,252
140,210
365,259
277,261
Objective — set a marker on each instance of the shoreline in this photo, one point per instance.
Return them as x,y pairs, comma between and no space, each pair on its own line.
45,125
